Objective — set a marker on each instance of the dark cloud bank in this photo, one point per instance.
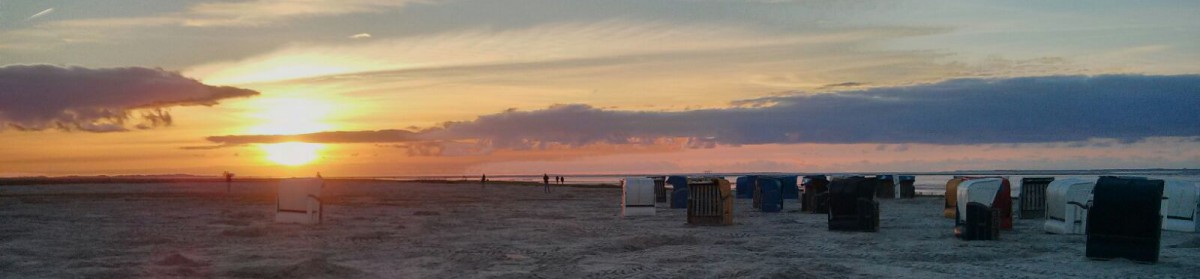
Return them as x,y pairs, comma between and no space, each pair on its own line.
963,111
37,97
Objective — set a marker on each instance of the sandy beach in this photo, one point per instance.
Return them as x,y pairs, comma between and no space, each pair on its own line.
389,229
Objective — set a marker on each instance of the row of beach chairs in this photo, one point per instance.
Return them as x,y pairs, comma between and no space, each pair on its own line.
1122,216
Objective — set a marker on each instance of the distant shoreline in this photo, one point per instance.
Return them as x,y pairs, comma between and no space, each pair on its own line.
29,181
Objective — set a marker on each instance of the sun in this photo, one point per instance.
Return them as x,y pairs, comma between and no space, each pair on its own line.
292,153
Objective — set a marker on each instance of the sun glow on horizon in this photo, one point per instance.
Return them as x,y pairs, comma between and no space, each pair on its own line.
291,116
292,153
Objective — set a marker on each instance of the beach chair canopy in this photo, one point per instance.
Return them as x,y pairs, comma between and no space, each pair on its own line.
983,191
1124,219
886,187
660,188
710,202
814,185
906,184
1067,205
679,191
852,205
985,187
1033,197
1182,197
788,186
299,201
745,186
637,196
769,194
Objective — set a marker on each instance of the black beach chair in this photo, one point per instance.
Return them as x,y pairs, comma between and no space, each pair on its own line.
1124,219
852,206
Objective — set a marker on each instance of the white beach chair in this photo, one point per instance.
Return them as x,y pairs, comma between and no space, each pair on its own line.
637,196
1067,205
1180,207
299,201
982,191
986,223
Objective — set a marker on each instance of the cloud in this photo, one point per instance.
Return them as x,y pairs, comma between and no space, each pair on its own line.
360,36
1127,108
537,44
261,12
38,97
323,137
40,14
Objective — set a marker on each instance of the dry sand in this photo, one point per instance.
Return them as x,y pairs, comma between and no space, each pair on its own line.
435,230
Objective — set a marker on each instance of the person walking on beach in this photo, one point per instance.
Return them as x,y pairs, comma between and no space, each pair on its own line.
546,182
483,181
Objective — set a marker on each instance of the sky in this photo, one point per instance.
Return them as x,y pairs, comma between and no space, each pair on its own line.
458,87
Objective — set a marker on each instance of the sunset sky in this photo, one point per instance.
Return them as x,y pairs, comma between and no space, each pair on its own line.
427,87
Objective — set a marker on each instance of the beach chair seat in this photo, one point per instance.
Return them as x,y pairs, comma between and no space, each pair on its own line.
821,203
1124,219
907,186
710,202
1067,205
982,223
768,196
745,186
1180,204
1033,197
298,200
852,206
814,186
679,191
660,189
637,196
886,187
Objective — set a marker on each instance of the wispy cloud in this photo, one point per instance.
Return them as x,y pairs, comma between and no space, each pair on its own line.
262,12
37,97
360,36
40,14
542,43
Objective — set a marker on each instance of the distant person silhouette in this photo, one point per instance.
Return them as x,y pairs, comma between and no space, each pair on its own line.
228,182
546,182
483,181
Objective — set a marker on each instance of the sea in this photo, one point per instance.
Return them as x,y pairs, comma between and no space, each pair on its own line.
927,183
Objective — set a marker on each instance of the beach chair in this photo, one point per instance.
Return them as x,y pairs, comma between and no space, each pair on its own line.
1067,205
885,187
679,191
660,188
978,211
745,186
1181,200
951,197
908,189
814,186
1124,219
710,202
1033,197
637,196
852,206
298,200
768,196
787,186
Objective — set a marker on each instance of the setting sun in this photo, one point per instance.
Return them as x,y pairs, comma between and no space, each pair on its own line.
292,153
